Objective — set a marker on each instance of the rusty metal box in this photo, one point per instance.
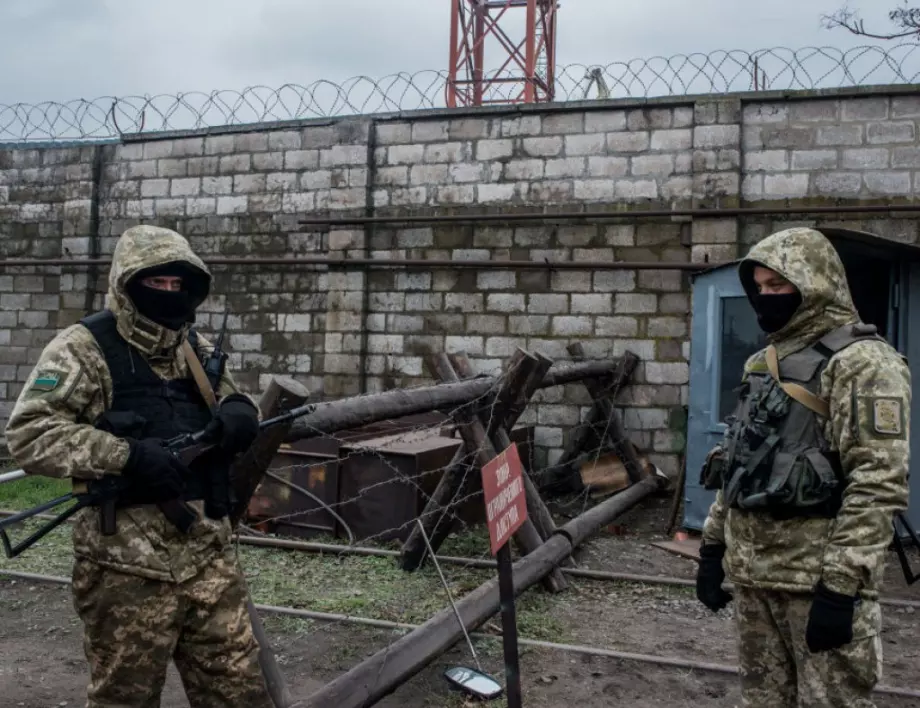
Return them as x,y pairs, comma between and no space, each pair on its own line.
378,479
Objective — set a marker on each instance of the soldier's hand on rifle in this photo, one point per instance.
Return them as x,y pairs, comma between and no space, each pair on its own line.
155,474
236,424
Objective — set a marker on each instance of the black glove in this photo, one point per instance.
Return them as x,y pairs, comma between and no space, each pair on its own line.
236,424
153,472
830,622
709,577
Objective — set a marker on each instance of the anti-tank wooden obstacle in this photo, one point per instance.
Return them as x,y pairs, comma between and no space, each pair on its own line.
602,429
499,417
478,430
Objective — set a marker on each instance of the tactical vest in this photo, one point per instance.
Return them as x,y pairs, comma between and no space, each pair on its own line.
143,404
774,456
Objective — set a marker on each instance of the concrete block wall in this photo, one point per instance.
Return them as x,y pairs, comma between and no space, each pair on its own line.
341,329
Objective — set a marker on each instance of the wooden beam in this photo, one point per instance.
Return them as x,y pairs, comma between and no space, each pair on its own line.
476,437
603,393
246,474
461,475
539,514
350,413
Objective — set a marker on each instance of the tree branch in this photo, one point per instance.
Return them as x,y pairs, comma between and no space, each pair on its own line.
906,18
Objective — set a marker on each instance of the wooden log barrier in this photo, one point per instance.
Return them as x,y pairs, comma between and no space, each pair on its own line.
356,412
383,672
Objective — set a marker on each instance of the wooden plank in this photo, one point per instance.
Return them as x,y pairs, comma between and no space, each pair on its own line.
248,470
688,549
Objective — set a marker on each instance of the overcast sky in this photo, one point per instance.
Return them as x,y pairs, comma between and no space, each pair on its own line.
67,49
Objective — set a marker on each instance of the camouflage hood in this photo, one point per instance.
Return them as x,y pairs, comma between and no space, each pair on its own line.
140,248
808,260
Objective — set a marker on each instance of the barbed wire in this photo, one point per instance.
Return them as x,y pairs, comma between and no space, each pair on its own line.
716,72
383,444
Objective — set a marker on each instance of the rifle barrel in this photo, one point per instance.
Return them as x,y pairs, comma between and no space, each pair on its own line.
290,415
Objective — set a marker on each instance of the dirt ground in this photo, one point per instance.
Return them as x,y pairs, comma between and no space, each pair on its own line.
42,664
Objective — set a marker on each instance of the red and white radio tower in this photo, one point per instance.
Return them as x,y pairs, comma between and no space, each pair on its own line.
521,71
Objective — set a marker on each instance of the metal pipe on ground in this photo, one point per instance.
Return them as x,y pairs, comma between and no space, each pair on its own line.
587,573
12,476
675,662
380,674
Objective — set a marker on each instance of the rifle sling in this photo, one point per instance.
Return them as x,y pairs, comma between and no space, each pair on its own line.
201,378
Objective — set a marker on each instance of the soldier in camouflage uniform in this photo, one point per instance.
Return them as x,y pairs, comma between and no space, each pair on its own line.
149,593
809,476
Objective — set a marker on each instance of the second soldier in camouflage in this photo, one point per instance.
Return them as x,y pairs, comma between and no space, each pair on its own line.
810,474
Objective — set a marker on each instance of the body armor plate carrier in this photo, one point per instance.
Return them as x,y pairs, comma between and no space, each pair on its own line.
774,456
143,404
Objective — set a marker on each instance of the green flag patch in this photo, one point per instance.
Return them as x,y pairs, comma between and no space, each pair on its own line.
46,381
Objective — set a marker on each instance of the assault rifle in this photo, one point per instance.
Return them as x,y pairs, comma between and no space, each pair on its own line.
106,492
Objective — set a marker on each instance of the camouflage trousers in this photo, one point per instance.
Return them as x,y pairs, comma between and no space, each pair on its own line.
779,671
134,626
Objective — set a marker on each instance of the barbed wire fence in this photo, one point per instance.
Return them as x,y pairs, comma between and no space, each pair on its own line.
723,71
416,437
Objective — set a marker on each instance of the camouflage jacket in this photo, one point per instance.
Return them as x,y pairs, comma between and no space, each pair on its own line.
849,551
51,431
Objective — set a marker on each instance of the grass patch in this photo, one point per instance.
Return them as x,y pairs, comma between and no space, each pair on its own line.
31,491
375,587
363,586
366,586
472,542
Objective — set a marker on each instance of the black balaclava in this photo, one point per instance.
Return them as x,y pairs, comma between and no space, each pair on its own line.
774,310
168,308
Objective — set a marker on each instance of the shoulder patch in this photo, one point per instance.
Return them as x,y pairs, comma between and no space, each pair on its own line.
888,416
49,383
47,380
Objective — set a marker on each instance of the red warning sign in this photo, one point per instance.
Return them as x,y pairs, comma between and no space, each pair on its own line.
506,502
